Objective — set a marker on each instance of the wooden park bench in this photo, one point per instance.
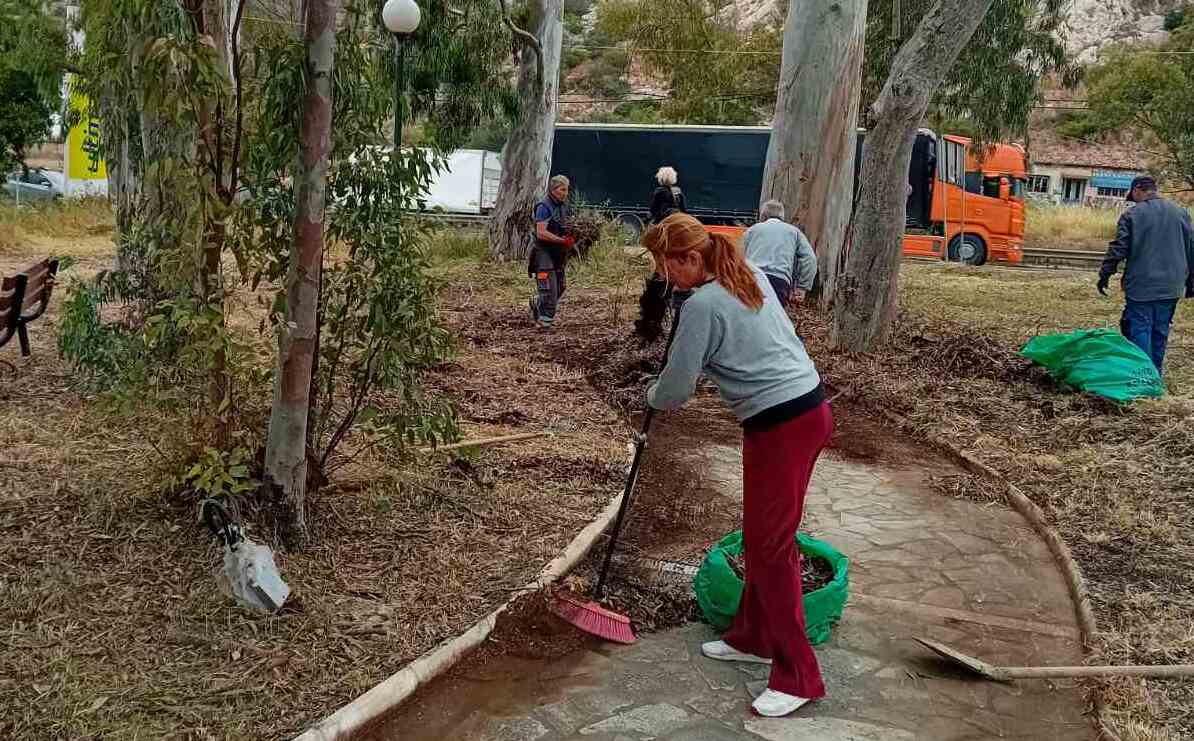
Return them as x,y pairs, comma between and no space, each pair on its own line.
24,298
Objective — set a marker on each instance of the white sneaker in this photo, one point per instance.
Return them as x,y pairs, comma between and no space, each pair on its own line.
723,651
772,704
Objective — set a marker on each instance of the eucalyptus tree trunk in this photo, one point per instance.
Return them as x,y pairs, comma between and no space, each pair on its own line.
122,184
224,26
286,450
810,160
526,158
160,199
867,294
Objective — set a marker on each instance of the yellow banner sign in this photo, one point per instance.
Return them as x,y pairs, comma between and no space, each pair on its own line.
83,144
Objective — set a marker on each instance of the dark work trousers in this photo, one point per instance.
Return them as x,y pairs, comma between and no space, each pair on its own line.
783,292
783,289
1146,324
550,282
777,463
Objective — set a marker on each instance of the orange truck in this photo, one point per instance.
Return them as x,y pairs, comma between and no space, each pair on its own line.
965,205
968,214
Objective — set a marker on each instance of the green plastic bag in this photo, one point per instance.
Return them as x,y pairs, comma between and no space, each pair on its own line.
1099,361
719,590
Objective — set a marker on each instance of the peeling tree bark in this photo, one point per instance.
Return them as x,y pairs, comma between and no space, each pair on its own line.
810,160
867,294
286,450
526,158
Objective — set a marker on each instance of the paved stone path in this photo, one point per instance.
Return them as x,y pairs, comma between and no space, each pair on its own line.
973,576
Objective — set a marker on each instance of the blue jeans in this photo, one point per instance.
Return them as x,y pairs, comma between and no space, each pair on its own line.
1146,324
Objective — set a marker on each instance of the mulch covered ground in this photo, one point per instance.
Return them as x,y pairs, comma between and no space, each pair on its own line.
114,626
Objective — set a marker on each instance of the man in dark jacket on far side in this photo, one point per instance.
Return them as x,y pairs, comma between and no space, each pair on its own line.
1156,240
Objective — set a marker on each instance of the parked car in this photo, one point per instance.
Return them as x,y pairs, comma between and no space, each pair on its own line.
35,185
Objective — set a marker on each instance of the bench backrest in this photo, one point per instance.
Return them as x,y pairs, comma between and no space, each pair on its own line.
39,284
12,295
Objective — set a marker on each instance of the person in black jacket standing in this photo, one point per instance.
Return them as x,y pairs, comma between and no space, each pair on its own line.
654,301
667,198
1156,240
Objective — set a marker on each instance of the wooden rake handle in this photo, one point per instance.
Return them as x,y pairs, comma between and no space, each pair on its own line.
1156,671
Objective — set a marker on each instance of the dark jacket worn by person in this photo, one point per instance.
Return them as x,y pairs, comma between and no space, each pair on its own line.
556,215
665,201
1156,239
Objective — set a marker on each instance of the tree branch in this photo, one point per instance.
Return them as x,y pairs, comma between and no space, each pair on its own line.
237,88
219,147
350,416
528,40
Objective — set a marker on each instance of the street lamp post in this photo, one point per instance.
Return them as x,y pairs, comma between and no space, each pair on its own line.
401,18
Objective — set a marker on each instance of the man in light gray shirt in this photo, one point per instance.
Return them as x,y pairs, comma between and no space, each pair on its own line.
782,252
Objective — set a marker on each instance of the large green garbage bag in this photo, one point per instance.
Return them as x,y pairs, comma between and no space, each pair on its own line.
1099,361
719,590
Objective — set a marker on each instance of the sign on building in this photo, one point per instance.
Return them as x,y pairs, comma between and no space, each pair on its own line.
86,172
1112,179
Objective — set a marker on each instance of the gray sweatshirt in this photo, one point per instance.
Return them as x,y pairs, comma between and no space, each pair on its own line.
1156,239
781,249
755,358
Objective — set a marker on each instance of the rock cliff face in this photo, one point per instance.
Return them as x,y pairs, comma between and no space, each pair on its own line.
1090,25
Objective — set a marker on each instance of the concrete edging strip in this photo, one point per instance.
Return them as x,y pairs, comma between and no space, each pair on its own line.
398,687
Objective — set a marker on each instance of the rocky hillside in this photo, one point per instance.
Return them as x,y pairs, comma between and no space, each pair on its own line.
1090,25
1093,24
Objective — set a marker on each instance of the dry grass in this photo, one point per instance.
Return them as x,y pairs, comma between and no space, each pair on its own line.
1069,227
1117,483
1015,305
80,228
1059,227
49,156
115,627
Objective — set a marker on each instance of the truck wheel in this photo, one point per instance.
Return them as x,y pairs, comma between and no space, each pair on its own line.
632,228
968,249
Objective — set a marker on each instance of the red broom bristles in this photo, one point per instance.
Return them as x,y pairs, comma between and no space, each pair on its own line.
592,618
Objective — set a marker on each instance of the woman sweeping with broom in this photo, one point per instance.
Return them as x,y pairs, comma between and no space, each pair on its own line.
733,329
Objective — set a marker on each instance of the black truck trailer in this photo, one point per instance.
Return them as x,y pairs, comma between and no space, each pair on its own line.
612,168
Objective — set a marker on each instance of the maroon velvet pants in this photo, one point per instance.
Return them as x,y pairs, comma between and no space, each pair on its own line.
777,463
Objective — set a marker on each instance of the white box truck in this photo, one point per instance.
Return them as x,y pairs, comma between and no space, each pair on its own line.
468,185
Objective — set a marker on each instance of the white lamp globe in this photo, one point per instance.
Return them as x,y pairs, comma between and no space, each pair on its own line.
401,16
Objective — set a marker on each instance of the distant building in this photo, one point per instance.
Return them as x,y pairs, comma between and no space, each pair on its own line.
1075,172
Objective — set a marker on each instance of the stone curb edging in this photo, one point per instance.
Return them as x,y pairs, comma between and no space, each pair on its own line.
1029,510
400,686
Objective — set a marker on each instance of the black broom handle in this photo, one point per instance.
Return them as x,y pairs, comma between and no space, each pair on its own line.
632,479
